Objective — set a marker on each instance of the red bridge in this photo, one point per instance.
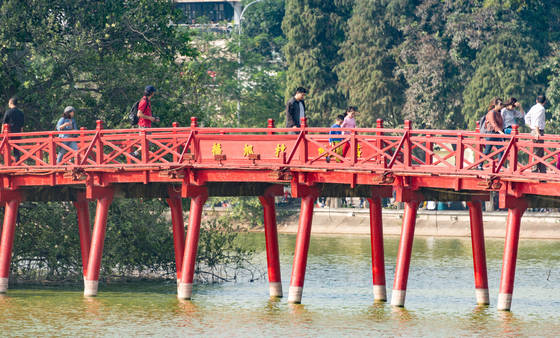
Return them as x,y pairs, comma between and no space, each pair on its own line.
193,162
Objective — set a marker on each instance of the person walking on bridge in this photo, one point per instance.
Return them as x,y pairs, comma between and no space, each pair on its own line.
349,122
494,124
14,118
295,108
536,120
66,122
145,116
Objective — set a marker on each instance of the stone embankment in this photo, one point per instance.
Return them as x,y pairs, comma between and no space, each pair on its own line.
448,223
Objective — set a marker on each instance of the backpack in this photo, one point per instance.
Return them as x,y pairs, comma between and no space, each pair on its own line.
133,114
482,124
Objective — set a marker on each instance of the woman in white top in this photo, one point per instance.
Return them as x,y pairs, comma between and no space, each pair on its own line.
511,110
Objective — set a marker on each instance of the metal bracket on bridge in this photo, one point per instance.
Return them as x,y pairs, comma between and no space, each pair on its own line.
386,178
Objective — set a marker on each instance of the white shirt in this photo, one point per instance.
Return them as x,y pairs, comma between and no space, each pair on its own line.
535,117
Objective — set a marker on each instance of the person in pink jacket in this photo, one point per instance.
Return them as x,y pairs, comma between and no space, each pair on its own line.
349,122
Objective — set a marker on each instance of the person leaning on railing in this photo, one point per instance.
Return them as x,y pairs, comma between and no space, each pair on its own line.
536,120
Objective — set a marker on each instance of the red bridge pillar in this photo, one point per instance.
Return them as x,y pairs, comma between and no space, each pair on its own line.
308,196
198,195
376,238
405,251
479,253
271,238
516,208
104,198
178,223
84,228
6,243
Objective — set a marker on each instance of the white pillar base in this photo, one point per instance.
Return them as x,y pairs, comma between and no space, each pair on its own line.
184,290
482,296
379,293
504,301
275,289
3,285
397,298
294,295
90,288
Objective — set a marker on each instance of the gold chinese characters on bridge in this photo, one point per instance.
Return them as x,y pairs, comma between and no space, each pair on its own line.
280,148
248,150
216,149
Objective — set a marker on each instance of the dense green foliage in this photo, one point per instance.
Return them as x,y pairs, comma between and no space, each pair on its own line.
435,62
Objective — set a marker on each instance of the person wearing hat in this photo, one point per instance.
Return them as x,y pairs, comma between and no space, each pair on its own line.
66,122
145,117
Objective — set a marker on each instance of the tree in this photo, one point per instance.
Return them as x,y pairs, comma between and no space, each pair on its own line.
314,30
367,72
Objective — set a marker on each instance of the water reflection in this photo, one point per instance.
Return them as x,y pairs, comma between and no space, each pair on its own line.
299,315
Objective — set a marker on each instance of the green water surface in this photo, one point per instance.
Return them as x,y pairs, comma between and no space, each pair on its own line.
337,298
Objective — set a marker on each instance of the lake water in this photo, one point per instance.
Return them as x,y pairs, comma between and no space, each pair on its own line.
337,298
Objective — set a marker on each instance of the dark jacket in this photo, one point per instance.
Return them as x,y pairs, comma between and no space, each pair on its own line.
292,113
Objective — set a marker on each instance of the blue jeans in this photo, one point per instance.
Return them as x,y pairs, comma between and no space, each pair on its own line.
62,151
488,147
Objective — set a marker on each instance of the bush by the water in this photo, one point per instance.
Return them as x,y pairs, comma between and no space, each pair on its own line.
138,244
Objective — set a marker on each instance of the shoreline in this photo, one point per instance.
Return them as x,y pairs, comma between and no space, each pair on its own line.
432,223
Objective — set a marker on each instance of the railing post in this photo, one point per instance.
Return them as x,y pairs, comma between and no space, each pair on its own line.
459,152
52,149
406,145
82,142
353,146
380,144
478,146
513,152
303,150
6,136
99,152
196,145
175,156
270,126
430,146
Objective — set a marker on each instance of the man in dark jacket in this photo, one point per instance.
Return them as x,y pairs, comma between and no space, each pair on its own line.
14,118
295,108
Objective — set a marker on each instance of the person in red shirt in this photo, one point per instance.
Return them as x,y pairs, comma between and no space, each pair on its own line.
145,117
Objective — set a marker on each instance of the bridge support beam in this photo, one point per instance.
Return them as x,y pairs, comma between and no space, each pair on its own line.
84,229
104,198
308,196
178,224
198,198
516,208
7,241
271,239
404,253
376,238
479,253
